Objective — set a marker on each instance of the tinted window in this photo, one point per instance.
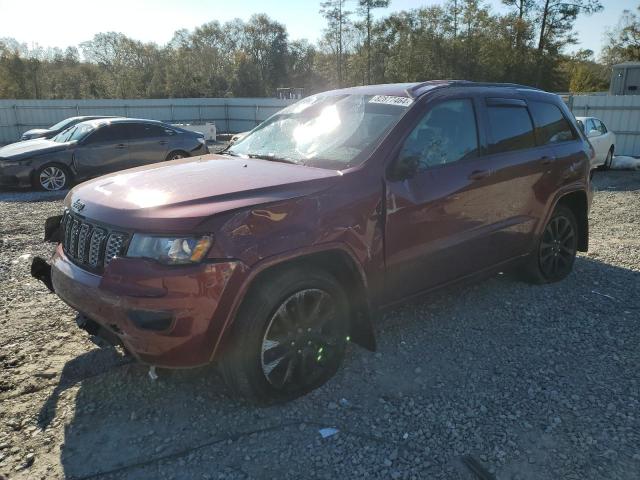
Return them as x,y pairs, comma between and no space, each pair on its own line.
145,130
551,125
510,127
446,134
109,134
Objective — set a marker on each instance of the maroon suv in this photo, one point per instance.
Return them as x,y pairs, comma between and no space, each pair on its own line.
270,257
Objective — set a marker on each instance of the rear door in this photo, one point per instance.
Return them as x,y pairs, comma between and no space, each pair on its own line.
103,151
148,143
515,198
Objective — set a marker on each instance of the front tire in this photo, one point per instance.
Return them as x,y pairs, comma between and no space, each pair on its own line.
289,336
52,177
556,251
175,155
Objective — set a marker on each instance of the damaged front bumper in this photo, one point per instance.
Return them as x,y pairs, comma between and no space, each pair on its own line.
169,316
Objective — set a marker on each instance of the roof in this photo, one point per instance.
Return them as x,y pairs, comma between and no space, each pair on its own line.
627,64
91,117
101,121
416,89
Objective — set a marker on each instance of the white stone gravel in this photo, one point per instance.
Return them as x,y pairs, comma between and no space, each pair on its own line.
534,382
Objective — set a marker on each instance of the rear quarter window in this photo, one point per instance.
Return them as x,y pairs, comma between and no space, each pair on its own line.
551,124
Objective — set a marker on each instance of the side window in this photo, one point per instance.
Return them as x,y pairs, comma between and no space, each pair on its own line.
551,125
600,126
115,133
510,127
145,130
590,126
446,134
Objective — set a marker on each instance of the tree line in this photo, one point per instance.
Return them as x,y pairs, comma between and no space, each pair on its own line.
462,39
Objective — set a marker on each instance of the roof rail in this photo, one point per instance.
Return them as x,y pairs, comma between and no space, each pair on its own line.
414,91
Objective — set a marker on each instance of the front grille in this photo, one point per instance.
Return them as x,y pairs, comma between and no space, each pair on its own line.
89,245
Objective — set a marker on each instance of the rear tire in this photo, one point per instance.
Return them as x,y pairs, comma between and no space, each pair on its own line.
289,336
556,250
52,177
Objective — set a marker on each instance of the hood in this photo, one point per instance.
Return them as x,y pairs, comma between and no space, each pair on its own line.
179,195
29,148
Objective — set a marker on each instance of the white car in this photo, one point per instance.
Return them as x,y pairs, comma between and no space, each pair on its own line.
603,140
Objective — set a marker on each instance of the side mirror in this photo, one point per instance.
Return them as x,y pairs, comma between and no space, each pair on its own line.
405,166
593,133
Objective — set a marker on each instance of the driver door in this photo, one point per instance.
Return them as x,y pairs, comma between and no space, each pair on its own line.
103,151
437,217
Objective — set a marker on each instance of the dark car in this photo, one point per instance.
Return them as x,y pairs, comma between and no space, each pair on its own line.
94,148
270,258
53,130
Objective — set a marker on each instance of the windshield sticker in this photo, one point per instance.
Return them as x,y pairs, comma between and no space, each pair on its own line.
391,100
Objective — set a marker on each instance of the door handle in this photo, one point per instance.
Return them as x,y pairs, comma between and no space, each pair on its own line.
546,160
163,142
120,146
479,174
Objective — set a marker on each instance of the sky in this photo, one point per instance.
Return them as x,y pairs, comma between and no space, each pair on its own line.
69,22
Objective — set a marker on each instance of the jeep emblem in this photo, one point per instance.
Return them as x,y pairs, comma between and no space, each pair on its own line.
78,205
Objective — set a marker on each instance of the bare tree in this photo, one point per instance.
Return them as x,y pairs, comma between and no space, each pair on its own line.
365,8
337,20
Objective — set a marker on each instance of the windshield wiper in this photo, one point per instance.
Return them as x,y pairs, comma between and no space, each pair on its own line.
271,158
226,151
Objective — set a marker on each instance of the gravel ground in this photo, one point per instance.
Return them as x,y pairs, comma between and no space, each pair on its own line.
532,382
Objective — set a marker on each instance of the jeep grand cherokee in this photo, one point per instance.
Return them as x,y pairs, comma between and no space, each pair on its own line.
270,257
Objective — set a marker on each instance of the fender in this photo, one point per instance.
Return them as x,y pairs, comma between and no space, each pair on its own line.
362,328
571,188
565,190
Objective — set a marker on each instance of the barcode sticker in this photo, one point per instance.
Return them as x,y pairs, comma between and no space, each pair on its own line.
391,100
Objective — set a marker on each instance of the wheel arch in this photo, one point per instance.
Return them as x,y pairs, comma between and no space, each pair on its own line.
51,162
578,202
340,263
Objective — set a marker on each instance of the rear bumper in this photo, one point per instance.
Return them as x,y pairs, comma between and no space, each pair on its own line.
165,316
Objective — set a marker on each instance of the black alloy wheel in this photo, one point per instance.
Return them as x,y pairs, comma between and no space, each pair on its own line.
289,337
300,341
558,247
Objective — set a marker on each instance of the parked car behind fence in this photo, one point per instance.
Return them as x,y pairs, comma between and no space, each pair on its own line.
93,148
602,139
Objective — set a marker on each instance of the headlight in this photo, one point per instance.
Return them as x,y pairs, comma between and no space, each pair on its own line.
169,250
202,140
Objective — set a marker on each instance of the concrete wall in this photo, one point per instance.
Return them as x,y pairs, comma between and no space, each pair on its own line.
620,113
231,115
